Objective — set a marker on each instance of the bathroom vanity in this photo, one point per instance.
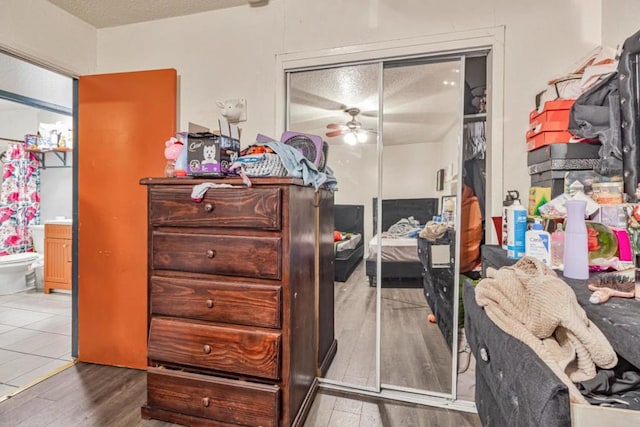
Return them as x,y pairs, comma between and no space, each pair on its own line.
58,261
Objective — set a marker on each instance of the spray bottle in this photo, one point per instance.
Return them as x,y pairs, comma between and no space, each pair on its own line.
516,229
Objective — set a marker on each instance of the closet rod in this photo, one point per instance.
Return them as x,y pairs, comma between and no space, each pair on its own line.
11,140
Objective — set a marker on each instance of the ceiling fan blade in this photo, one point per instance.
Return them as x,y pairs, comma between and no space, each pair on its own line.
373,113
314,100
335,126
335,133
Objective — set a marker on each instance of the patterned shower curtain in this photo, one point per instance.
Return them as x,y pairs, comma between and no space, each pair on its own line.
19,200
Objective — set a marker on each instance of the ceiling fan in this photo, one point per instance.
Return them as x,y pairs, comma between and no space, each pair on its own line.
352,130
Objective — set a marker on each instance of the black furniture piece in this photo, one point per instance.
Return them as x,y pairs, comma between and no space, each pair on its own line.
400,273
513,385
439,281
349,219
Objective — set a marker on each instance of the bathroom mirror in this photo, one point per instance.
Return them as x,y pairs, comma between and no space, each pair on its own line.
387,165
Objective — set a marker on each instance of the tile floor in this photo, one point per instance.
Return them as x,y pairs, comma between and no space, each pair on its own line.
35,337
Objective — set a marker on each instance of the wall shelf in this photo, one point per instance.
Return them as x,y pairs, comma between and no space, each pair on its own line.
60,153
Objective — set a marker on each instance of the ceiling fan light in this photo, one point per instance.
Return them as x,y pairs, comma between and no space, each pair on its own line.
350,138
362,137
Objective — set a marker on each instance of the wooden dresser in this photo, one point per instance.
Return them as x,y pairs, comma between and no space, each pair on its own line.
232,301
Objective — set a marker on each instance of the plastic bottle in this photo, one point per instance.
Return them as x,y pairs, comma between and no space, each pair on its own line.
538,243
576,250
557,247
512,195
516,229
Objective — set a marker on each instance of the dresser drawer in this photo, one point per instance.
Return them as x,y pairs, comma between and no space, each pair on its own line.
244,351
240,303
221,207
220,399
218,254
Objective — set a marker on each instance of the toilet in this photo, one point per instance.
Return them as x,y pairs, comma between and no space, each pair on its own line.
13,272
37,235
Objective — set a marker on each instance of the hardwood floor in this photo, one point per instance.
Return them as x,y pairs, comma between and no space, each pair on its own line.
414,351
414,355
103,396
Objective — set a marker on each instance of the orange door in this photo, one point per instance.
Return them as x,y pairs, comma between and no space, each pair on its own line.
124,120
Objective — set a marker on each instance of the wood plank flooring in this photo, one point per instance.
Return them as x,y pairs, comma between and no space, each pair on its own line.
414,355
414,351
90,395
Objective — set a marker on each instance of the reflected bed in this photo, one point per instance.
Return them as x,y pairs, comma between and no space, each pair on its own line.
348,253
401,266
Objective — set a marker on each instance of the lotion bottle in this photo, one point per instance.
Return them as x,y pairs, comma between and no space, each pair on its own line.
538,243
517,227
557,247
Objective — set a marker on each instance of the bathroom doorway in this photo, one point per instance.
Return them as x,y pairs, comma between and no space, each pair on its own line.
36,210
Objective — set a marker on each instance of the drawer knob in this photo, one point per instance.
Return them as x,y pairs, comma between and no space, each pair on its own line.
206,349
208,207
211,254
205,402
210,303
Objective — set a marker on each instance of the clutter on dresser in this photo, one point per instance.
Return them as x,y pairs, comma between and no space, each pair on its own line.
209,154
172,150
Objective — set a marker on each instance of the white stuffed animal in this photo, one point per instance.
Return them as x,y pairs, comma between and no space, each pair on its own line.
234,110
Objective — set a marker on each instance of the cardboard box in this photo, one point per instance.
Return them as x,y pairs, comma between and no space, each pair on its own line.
538,196
210,154
540,139
553,111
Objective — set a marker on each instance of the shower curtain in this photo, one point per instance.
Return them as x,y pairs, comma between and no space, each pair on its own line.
19,200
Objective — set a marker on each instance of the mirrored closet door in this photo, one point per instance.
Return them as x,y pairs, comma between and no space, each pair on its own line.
396,132
341,105
422,109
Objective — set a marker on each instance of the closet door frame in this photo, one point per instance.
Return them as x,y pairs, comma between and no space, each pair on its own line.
458,43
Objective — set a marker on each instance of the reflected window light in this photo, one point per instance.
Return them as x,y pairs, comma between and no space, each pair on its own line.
350,138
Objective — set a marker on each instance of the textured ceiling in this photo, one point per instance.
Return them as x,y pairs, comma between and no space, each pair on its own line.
112,13
418,106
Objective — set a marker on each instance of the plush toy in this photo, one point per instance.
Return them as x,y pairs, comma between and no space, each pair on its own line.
173,148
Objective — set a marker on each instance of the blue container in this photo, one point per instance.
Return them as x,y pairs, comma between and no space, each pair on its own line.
517,224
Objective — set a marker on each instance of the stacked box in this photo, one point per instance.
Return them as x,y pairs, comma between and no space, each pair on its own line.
550,125
549,164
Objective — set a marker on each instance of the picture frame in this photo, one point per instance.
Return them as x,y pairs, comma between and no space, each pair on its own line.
440,180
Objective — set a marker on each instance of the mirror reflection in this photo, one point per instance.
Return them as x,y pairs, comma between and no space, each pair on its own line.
341,105
424,166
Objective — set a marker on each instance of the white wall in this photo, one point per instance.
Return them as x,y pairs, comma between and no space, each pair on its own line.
356,169
619,21
218,55
37,29
409,171
56,183
231,53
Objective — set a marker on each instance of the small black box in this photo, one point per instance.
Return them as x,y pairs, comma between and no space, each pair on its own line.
563,165
580,150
